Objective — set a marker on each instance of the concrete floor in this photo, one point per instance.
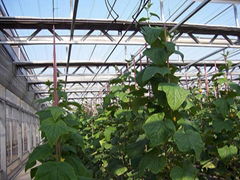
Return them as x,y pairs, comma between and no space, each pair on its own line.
23,175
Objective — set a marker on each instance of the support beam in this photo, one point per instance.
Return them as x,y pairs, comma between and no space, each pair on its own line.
192,40
43,64
120,25
71,35
70,82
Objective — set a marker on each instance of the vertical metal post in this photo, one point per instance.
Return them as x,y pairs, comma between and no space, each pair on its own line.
141,62
125,51
236,14
10,138
19,133
206,79
3,141
134,71
186,79
55,102
71,8
161,11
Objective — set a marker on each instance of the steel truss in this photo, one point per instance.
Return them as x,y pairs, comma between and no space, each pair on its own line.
188,34
193,35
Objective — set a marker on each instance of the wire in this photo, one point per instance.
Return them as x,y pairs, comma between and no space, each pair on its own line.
177,10
119,41
92,7
107,3
20,5
95,46
224,10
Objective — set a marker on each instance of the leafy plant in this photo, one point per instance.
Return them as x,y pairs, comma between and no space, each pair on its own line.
58,156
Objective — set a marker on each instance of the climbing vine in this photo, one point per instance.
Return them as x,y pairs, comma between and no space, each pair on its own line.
153,130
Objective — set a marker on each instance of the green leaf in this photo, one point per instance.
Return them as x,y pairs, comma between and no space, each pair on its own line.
152,162
136,149
69,149
155,15
44,114
108,131
174,93
189,140
158,130
55,170
56,112
77,139
41,152
235,87
139,78
33,172
152,70
227,152
186,172
158,56
219,125
208,164
43,100
151,34
179,53
53,130
170,47
78,166
120,171
84,178
143,19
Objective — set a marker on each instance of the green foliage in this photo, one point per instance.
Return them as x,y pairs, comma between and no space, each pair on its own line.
40,153
189,140
55,170
63,145
154,129
175,94
158,130
227,152
184,172
152,162
150,72
54,130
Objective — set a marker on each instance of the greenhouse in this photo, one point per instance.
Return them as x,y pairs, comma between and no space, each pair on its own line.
120,90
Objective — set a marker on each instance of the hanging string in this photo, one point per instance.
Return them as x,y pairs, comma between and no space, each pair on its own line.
55,85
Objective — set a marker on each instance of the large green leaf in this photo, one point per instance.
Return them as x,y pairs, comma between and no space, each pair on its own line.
55,170
158,130
170,47
185,172
158,56
44,114
56,112
220,124
152,70
53,130
174,93
77,139
189,140
226,152
152,162
221,106
42,100
136,149
78,166
108,131
235,87
41,152
151,34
